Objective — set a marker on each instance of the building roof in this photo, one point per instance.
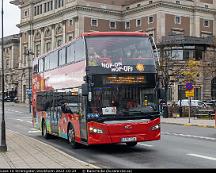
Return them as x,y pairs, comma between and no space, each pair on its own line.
11,39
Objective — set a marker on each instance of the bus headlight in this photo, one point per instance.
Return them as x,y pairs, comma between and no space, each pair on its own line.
95,130
156,127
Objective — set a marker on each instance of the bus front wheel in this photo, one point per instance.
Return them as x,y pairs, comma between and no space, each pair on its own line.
71,137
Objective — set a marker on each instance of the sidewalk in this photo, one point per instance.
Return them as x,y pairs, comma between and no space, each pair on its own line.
193,122
25,152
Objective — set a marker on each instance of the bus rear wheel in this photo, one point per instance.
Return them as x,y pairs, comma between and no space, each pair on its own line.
71,137
131,144
45,134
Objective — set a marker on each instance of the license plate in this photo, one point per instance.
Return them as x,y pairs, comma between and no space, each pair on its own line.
130,139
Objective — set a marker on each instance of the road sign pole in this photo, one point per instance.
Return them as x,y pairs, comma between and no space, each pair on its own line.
189,109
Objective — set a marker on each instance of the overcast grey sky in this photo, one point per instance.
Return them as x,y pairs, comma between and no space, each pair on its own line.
11,18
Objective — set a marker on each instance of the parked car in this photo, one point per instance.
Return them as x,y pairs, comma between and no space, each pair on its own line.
9,99
211,103
194,103
15,100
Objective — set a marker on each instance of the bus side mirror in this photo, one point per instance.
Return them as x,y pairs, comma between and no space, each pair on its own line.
161,93
154,47
85,89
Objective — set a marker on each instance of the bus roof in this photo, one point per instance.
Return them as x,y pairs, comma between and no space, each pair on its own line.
97,33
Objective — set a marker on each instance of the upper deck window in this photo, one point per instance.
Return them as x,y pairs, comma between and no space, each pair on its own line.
62,56
41,65
79,50
47,63
127,50
70,53
53,60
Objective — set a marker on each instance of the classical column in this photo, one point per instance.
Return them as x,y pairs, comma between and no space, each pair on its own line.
195,23
64,31
20,50
53,37
76,24
42,41
214,26
161,22
12,56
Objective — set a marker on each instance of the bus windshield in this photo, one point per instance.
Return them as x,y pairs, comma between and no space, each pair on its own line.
127,96
127,50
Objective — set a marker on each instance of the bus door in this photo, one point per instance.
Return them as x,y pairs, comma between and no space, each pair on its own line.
83,121
54,114
54,120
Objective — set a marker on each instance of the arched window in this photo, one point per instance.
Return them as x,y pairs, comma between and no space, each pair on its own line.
37,36
58,30
213,88
47,33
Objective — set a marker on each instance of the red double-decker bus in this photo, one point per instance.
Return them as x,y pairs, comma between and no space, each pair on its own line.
101,88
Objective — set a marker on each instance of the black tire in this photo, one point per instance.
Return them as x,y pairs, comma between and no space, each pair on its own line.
131,144
45,134
71,137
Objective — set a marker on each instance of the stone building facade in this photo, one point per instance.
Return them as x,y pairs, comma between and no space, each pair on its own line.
49,23
11,66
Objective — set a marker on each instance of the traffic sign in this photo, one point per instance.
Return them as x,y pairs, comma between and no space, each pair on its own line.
189,86
189,93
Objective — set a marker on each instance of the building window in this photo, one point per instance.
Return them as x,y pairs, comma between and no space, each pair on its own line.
45,7
169,94
38,9
197,93
59,3
94,22
48,46
59,42
138,23
177,20
37,50
150,19
213,88
206,23
150,2
112,25
127,25
70,38
178,2
181,92
26,13
70,23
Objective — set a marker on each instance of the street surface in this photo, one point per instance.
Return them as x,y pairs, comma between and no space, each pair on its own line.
179,147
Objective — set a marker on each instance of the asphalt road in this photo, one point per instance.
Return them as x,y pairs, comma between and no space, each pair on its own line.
179,147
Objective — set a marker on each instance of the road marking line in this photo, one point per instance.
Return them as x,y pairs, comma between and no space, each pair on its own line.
34,131
19,120
146,145
201,156
192,136
29,122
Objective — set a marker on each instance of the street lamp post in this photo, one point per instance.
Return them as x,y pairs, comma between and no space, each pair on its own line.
28,53
3,146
